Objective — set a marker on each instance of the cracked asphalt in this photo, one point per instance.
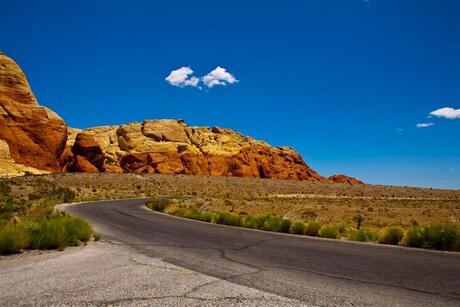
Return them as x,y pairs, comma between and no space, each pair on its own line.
107,274
231,265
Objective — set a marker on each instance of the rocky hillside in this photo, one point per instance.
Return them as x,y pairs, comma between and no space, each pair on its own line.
35,139
172,147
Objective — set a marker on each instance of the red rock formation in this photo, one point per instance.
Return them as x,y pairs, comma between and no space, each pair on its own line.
339,178
256,161
85,146
35,135
81,164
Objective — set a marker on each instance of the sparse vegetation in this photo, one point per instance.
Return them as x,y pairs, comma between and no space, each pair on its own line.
55,232
297,207
32,223
438,236
444,237
12,239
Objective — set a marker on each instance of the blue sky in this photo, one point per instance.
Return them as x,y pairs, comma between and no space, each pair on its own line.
344,82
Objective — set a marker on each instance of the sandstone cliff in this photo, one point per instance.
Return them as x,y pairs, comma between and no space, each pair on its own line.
35,135
172,147
35,139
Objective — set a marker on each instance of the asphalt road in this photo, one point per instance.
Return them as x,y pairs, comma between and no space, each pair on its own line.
315,271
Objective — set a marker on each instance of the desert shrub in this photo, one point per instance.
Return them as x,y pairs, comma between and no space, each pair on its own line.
182,212
77,230
359,219
206,216
96,236
329,231
285,225
13,239
391,235
271,223
298,228
58,231
7,207
159,204
442,237
312,229
414,237
363,235
5,189
229,219
342,227
251,222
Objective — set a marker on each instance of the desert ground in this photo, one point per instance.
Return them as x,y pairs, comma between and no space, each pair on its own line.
381,206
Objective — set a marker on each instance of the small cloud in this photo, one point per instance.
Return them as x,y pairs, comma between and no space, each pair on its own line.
219,76
180,77
424,125
399,129
449,113
183,77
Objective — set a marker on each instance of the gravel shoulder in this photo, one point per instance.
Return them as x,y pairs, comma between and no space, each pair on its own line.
106,274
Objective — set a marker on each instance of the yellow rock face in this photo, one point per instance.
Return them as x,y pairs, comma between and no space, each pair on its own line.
13,82
166,136
4,150
71,135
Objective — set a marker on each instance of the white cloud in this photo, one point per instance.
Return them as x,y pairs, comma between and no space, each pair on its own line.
183,77
449,113
219,76
180,77
424,125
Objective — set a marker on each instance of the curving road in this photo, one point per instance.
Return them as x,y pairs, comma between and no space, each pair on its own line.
315,271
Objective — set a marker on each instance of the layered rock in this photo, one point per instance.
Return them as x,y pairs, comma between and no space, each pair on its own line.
172,147
36,136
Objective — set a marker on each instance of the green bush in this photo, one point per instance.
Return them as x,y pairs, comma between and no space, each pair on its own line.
312,229
285,225
13,239
391,235
251,222
229,219
58,232
77,230
271,223
206,217
363,235
298,228
329,231
414,237
442,237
